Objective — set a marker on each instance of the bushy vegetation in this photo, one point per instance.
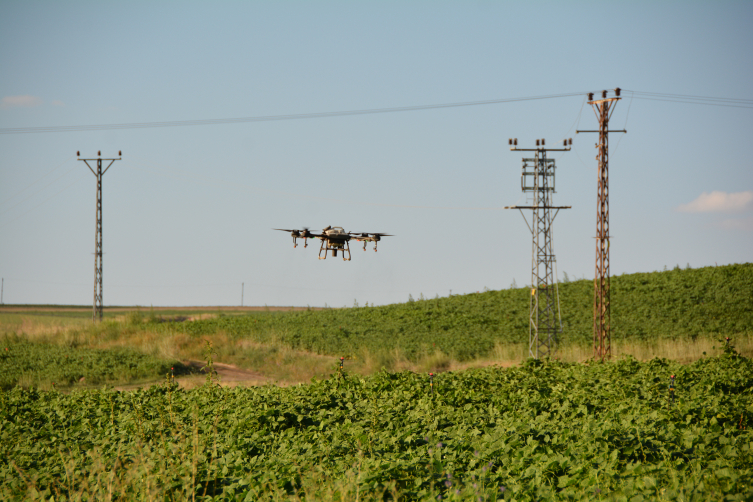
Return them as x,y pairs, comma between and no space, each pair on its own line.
680,303
44,364
541,431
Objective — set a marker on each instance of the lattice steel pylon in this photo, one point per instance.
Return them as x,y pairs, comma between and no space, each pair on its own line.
98,305
538,179
602,326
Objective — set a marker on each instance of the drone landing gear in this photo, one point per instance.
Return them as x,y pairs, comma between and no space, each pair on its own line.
327,247
366,242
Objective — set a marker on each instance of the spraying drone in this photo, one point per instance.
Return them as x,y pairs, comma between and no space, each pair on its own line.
335,239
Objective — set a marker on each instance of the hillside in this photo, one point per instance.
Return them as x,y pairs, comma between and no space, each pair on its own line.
679,303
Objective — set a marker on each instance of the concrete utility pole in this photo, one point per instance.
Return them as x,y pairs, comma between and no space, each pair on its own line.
538,179
97,307
602,332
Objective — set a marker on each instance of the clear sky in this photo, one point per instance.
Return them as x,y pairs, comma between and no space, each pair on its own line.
188,212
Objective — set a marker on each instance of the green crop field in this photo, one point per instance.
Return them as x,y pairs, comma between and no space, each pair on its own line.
679,314
542,431
46,365
676,304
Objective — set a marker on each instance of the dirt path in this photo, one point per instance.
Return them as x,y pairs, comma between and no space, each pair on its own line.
229,376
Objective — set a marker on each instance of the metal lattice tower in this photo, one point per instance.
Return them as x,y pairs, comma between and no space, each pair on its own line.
602,329
537,179
97,307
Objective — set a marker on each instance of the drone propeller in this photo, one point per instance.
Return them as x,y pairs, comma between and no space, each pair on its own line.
298,234
366,235
294,233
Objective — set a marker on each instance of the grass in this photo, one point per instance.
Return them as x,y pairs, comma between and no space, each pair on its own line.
687,311
277,362
677,305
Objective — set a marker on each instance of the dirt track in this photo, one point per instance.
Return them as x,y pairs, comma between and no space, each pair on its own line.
228,376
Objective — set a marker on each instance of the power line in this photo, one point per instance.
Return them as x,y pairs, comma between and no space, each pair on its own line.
206,285
279,193
692,100
35,182
270,118
42,203
38,191
691,96
653,96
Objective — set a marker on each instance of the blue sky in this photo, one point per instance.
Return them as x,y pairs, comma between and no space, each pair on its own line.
188,212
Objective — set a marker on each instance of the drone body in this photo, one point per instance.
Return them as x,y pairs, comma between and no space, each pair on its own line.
335,239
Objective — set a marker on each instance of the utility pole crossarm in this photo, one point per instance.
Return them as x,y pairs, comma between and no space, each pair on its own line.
538,207
516,149
615,130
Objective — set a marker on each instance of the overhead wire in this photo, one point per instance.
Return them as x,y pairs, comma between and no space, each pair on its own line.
691,96
238,186
270,118
692,99
35,182
43,202
205,285
624,127
35,193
